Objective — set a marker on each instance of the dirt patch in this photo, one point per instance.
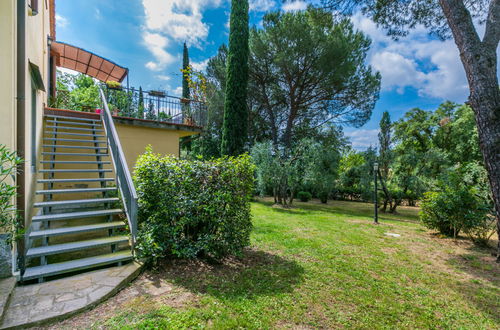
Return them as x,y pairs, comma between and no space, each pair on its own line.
459,257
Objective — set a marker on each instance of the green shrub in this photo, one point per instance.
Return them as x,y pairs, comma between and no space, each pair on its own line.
193,208
323,197
9,162
454,210
304,196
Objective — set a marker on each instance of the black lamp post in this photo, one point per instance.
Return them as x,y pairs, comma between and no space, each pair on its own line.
375,195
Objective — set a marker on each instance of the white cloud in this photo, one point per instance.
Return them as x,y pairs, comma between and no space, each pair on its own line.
432,67
397,71
177,91
156,44
294,5
261,5
181,20
163,77
200,66
173,20
363,138
61,21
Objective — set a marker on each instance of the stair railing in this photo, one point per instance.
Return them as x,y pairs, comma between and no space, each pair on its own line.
124,179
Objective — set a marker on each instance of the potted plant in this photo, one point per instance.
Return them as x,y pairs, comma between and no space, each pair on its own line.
157,93
188,120
113,85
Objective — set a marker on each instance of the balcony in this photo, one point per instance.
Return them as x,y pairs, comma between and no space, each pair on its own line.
145,106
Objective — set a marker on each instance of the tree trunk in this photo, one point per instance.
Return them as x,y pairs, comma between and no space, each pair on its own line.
479,59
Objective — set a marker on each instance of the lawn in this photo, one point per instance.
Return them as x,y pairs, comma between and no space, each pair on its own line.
317,266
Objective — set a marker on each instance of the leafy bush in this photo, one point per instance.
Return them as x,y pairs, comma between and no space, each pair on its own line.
304,196
323,197
193,208
454,210
8,169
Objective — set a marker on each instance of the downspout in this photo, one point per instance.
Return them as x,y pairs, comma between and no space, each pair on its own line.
20,124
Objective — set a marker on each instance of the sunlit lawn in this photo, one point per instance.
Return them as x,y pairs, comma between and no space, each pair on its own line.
317,266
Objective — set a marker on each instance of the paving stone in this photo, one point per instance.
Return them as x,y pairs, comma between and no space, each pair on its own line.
6,287
5,256
40,303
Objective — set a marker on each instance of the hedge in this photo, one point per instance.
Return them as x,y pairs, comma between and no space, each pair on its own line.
195,208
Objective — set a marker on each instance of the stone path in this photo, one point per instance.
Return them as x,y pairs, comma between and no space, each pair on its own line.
35,304
6,287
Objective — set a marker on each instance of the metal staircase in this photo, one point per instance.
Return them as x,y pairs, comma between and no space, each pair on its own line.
81,222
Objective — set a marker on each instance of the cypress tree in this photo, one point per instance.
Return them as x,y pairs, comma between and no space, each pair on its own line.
384,138
235,126
140,107
185,64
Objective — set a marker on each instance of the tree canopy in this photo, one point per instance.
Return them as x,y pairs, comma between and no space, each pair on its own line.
305,71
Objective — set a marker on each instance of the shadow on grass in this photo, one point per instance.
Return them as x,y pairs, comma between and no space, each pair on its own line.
304,209
256,273
478,262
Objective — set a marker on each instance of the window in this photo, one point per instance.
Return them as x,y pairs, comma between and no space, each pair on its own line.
33,5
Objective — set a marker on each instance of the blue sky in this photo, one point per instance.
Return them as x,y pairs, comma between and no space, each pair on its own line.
147,35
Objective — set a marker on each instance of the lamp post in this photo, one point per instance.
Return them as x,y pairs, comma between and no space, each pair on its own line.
375,195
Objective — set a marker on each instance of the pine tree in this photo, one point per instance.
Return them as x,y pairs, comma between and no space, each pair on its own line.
185,65
235,126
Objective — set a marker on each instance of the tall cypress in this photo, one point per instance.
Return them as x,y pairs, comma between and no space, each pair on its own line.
185,64
140,106
384,138
235,126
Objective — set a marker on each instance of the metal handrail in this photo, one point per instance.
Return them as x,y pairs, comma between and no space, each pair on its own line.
123,177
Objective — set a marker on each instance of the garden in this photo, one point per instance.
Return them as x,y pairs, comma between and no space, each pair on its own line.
266,220
317,266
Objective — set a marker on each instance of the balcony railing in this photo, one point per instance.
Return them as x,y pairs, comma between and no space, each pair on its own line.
156,106
146,105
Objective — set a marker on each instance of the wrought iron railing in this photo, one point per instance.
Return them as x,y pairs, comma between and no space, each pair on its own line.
123,178
134,103
155,105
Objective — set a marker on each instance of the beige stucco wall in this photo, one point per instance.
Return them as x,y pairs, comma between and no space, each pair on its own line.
7,73
37,52
135,139
37,30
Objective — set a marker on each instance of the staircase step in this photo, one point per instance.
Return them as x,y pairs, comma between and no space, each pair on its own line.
74,123
75,162
74,118
75,215
75,171
76,229
77,202
75,180
101,154
74,140
75,128
71,147
75,265
75,134
75,246
69,191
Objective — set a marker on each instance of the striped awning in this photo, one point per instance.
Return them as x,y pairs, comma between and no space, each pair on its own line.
81,60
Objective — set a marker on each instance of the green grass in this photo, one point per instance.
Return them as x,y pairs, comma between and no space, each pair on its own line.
319,266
